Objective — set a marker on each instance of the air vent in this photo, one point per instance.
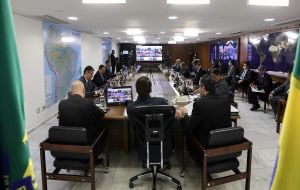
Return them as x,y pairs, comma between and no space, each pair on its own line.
294,21
236,33
50,19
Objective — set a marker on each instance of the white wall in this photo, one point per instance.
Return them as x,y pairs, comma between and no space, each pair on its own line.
30,44
91,52
29,36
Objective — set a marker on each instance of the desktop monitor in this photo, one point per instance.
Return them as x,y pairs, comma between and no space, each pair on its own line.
119,95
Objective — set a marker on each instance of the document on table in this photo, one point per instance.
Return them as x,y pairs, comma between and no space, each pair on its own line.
256,90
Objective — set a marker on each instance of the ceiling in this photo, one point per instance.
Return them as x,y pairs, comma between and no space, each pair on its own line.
151,16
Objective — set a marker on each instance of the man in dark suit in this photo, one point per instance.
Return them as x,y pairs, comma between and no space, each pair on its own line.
199,72
100,79
176,67
108,70
113,61
281,92
81,112
209,112
86,79
264,81
221,85
185,71
222,67
246,77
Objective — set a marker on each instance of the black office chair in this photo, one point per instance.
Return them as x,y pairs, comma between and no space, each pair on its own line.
73,149
154,144
220,155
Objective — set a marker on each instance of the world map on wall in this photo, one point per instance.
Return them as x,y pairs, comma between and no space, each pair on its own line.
276,51
62,61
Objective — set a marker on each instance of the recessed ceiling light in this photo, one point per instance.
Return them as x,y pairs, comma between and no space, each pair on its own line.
67,39
119,38
171,42
104,1
162,32
105,33
178,38
172,17
269,19
126,41
133,31
188,2
73,18
191,32
284,3
158,38
218,33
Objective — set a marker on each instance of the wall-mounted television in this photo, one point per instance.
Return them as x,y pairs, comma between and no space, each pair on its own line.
148,53
125,52
225,50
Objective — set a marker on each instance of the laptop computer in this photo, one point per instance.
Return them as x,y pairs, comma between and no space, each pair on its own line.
119,95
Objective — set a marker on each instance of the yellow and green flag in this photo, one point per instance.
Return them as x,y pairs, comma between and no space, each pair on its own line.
287,169
15,164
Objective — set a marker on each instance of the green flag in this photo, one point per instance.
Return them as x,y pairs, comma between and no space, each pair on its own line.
16,165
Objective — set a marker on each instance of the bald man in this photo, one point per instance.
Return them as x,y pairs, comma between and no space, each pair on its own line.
80,112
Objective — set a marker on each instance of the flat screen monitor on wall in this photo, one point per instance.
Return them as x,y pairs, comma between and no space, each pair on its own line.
148,53
125,52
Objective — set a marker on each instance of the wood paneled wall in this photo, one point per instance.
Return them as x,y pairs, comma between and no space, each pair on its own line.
204,54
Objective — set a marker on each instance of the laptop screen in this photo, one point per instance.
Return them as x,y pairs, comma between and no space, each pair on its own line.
119,95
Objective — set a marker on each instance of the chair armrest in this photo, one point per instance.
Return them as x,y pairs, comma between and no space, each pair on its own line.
97,141
219,151
197,144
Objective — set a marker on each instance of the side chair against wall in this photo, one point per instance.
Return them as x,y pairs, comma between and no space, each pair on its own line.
220,155
73,149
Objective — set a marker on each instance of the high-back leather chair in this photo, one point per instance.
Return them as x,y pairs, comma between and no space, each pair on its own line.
154,146
220,155
73,149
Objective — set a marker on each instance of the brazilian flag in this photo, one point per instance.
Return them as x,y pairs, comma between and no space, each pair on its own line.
287,169
15,163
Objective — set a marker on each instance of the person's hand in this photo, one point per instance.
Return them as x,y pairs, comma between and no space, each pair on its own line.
240,81
180,112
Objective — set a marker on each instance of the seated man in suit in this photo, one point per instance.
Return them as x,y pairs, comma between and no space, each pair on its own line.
86,79
144,87
199,72
230,74
264,81
81,112
176,67
209,112
281,92
221,85
246,77
222,67
108,70
100,79
185,71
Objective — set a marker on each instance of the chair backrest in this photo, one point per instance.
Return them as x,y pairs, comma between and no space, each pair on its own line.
225,137
69,135
152,124
66,135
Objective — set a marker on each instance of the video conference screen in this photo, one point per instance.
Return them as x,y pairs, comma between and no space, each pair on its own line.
148,53
119,95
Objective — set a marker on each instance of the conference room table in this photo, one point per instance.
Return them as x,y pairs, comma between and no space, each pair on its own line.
116,120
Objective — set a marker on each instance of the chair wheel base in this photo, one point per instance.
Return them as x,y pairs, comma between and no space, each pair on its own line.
179,187
131,186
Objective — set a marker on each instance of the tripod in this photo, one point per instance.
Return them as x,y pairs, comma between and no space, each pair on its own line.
150,73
